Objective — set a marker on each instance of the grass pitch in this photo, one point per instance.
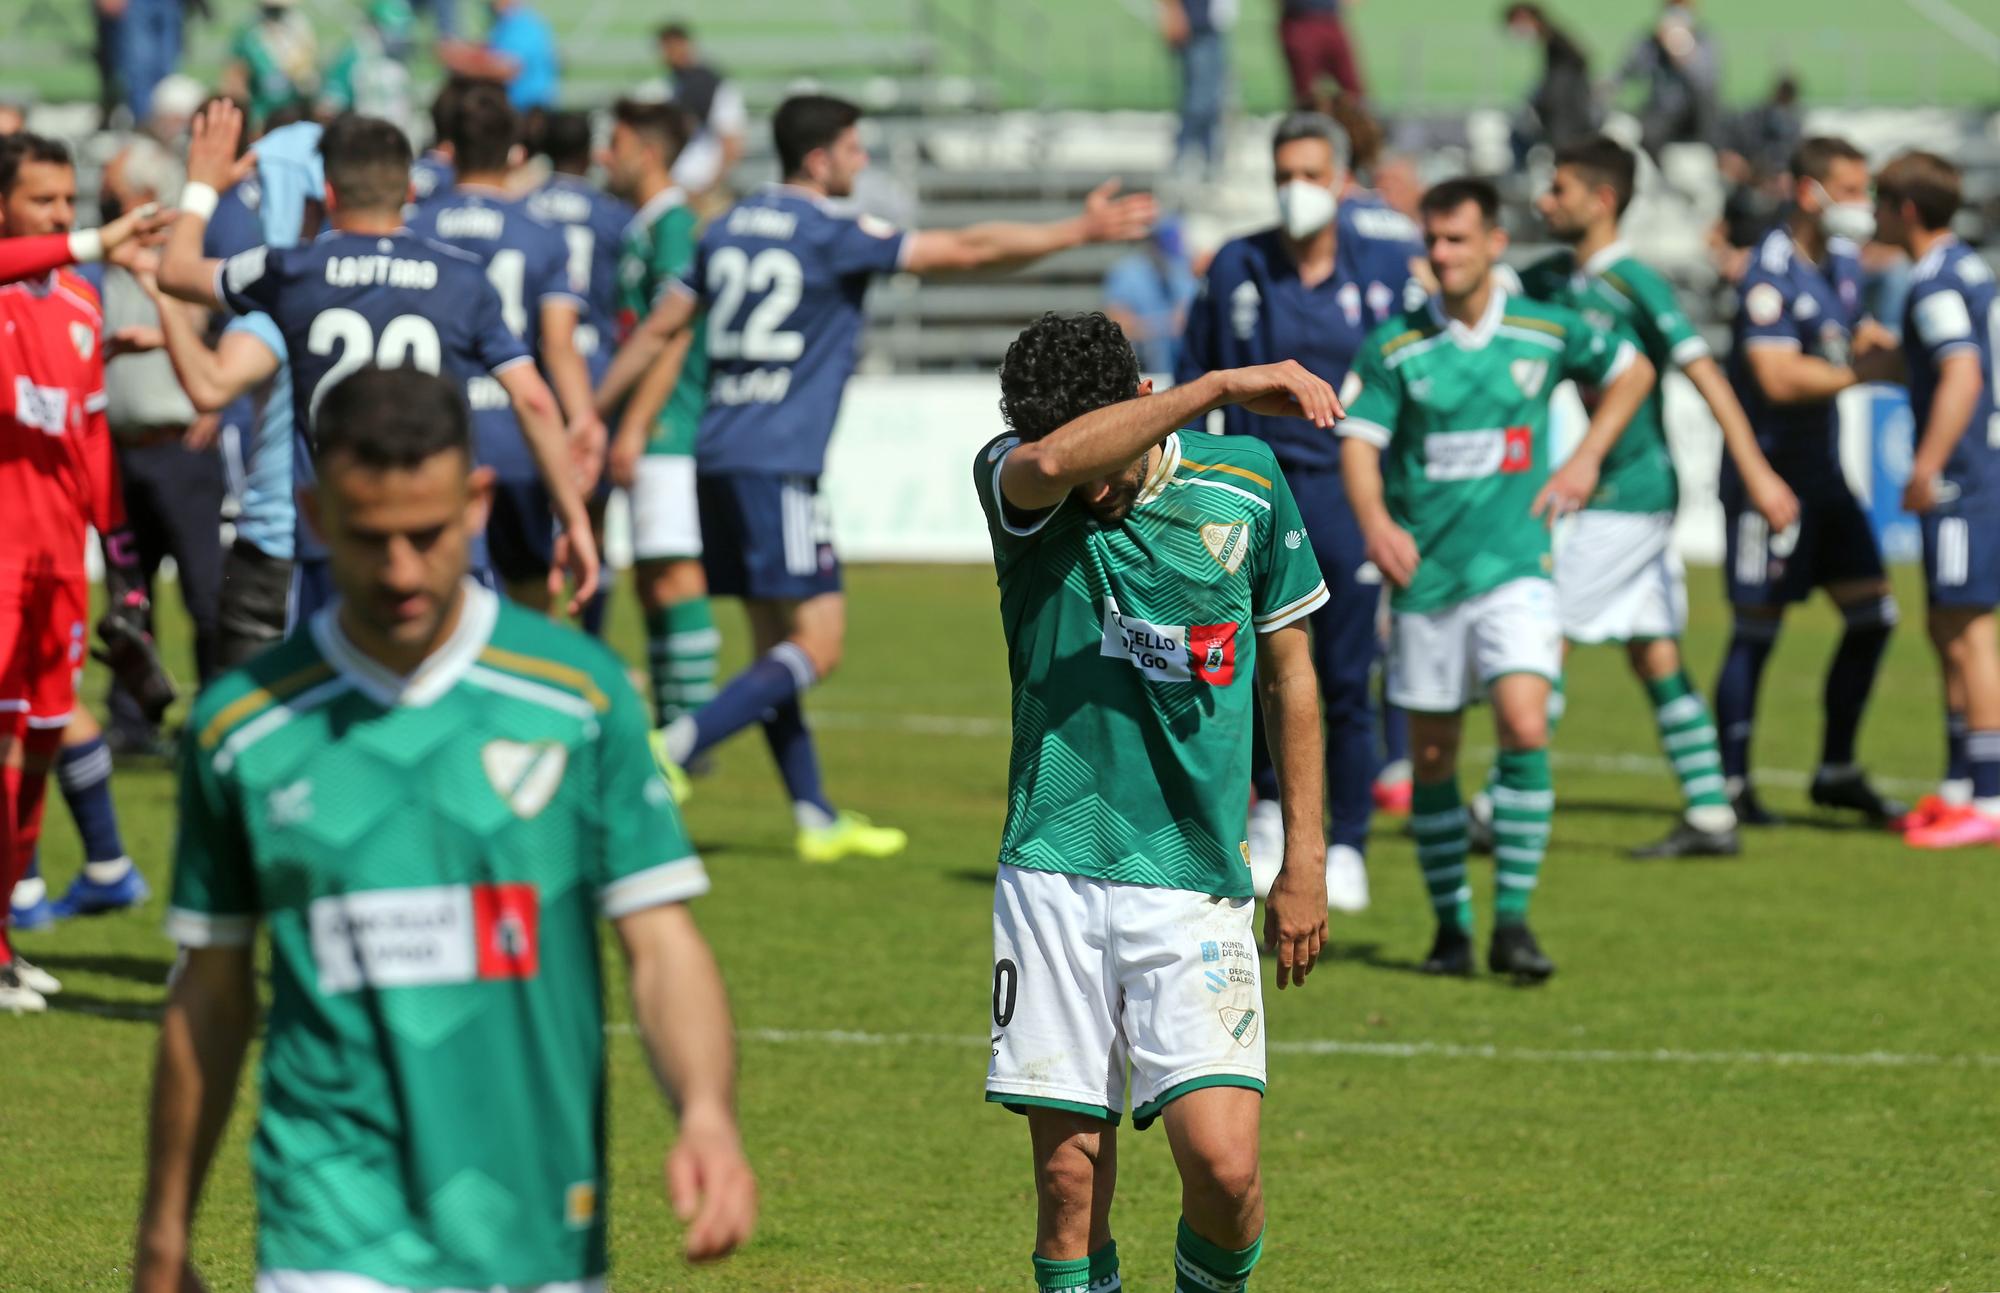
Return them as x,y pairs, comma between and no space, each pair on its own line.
1775,1073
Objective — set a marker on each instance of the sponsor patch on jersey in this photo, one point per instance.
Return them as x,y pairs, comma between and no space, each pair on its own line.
580,1205
1765,305
1942,317
1464,455
244,268
1349,298
1212,653
46,408
526,775
1159,651
1245,304
1241,1025
1000,448
1529,374
875,226
424,936
1519,452
1228,542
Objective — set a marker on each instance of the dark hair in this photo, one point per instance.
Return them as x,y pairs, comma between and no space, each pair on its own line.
367,163
1815,157
444,108
1447,196
289,113
805,122
1061,367
662,125
566,140
1295,126
675,30
1926,181
392,418
26,146
483,131
1603,160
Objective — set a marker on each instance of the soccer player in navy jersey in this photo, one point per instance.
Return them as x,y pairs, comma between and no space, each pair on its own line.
368,291
1311,289
592,223
780,279
1800,340
542,302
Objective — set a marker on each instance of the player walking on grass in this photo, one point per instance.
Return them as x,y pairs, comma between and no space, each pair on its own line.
1618,578
1153,585
1446,454
1951,349
1800,341
779,281
429,796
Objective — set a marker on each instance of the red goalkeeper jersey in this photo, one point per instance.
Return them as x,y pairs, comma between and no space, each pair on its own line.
57,473
27,257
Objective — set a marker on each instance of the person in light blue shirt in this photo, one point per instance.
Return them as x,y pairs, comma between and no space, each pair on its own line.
520,53
1147,294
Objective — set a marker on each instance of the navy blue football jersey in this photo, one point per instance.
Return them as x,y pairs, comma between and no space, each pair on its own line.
1954,309
781,276
593,223
431,175
1255,309
1786,300
527,262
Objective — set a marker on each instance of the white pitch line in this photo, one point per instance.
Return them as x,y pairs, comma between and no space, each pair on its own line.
1961,26
1430,1050
1630,763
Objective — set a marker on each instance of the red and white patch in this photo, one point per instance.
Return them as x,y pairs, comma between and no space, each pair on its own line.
1212,653
1518,452
425,936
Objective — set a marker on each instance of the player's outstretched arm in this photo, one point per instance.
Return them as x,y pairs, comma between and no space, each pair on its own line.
1388,544
1768,492
1295,913
541,425
683,1017
142,226
212,167
1959,383
1106,217
1576,480
648,342
212,377
1040,473
210,1016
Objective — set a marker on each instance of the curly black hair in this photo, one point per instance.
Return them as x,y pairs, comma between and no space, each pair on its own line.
1061,367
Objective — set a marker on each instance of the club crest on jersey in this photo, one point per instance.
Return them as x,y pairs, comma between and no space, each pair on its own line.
525,775
1228,542
84,338
1241,1024
1529,374
1245,304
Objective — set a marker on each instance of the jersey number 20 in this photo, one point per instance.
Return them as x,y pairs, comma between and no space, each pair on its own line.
408,340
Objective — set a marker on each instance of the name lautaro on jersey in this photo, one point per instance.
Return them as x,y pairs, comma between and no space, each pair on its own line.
381,271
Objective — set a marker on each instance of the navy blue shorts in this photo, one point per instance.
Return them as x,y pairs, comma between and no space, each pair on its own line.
521,533
1831,542
766,537
1962,559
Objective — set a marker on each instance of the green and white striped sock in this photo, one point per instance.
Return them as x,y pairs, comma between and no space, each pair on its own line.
683,655
1523,802
1204,1267
1688,735
1097,1273
1437,819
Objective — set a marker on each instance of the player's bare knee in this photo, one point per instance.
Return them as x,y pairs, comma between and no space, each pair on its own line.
1228,1175
1526,730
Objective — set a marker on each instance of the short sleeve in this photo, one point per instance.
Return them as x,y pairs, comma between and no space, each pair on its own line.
647,860
1764,307
673,248
865,245
214,894
1008,526
261,326
554,283
689,282
1657,317
1289,585
251,281
1373,397
1593,357
1941,319
494,342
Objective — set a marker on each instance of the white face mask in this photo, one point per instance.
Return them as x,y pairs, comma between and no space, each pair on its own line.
1305,208
1854,221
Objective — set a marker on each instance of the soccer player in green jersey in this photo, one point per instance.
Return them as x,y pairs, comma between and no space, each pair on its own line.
1618,578
428,796
1446,457
1153,585
652,455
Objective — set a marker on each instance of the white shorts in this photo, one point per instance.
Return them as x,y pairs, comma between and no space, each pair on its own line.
1618,578
1090,975
346,1282
1441,661
666,521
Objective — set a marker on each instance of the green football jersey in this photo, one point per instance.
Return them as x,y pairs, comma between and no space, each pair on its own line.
430,856
1615,293
1462,418
658,248
1132,648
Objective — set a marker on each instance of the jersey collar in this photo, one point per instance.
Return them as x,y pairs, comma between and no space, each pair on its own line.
1618,250
1474,338
1934,258
658,205
440,671
1170,458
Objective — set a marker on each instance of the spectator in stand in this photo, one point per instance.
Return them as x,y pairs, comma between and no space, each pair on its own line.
166,452
1147,293
715,107
1765,137
1677,62
1314,37
175,101
1562,108
1198,31
520,53
372,75
13,119
273,59
144,42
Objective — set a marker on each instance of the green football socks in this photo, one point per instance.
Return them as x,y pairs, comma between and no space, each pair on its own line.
1203,1267
1437,819
1097,1273
1524,799
1688,735
683,649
